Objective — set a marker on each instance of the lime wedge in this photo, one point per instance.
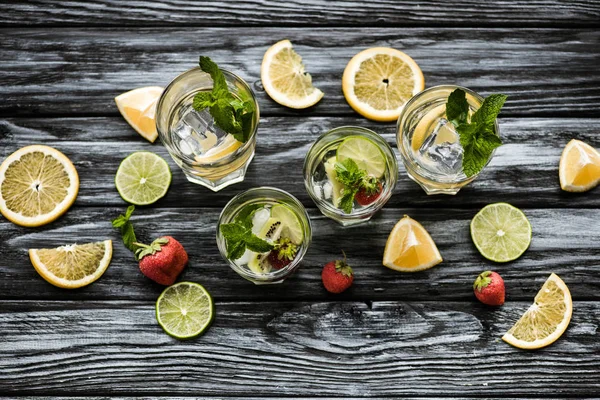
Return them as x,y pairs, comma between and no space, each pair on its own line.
143,178
365,153
290,222
184,310
501,232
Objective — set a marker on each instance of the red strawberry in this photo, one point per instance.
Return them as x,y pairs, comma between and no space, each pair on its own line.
368,194
489,288
283,253
163,260
337,276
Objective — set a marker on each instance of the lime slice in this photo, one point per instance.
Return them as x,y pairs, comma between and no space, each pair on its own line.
143,178
184,310
290,222
501,232
365,153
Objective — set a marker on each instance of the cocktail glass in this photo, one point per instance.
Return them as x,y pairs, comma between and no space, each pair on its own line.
277,215
320,176
429,145
207,155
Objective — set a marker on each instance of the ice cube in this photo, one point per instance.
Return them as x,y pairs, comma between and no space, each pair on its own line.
442,148
198,131
245,258
327,190
260,218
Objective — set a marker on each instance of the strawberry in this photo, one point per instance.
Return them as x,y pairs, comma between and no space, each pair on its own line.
163,260
369,192
489,288
337,276
283,253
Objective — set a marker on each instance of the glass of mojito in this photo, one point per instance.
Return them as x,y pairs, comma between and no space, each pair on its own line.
207,119
350,173
263,233
447,135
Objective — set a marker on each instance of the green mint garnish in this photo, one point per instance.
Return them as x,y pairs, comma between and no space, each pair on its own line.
231,114
239,237
477,137
125,226
354,179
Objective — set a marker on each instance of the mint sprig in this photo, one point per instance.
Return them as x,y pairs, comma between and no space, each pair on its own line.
234,115
477,136
124,225
354,179
239,237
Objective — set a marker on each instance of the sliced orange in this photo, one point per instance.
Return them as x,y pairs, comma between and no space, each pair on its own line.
138,107
409,247
579,168
378,82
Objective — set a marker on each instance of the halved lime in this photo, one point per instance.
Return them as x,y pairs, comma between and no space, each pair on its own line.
289,220
184,310
501,232
143,178
365,153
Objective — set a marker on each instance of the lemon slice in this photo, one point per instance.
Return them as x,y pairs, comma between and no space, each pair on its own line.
228,146
283,77
37,185
378,82
579,168
138,107
409,248
546,319
72,266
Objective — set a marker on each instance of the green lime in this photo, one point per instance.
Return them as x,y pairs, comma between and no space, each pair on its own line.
290,222
143,178
184,310
501,232
365,153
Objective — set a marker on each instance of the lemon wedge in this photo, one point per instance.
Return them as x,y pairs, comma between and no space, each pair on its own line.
579,168
138,107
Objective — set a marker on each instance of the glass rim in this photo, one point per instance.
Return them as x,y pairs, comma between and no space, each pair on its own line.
229,157
377,204
407,157
279,274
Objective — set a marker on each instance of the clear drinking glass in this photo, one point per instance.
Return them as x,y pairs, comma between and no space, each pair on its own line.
428,143
276,215
320,176
207,155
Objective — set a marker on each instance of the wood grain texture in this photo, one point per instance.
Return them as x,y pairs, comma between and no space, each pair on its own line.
549,13
524,171
280,349
565,241
545,72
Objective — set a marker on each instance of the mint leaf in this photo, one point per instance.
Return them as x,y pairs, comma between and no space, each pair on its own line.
348,172
126,228
245,215
457,107
219,84
203,100
239,237
489,110
347,200
224,116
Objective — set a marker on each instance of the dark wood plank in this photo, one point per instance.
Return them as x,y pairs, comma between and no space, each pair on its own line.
292,349
550,13
524,171
565,241
546,72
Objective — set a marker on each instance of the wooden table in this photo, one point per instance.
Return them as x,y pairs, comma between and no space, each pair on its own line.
391,335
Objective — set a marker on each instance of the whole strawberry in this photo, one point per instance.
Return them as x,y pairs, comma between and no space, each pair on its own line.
489,288
368,194
337,276
163,260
